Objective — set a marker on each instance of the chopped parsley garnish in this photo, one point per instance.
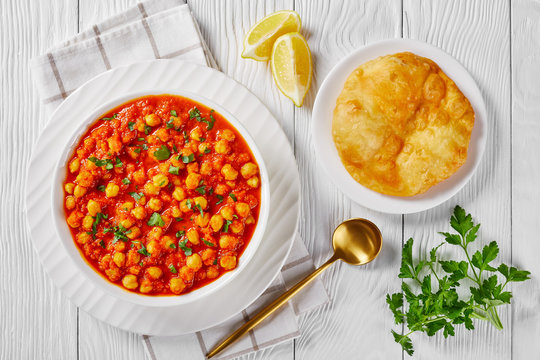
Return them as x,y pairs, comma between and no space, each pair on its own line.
143,250
201,189
130,125
156,220
195,114
136,196
174,169
220,199
105,162
147,129
110,118
215,262
173,113
137,150
163,153
178,219
209,123
173,269
170,124
102,244
180,233
233,197
188,203
207,151
187,250
208,243
174,148
200,209
118,162
188,159
186,137
101,187
226,227
141,139
126,181
97,219
119,232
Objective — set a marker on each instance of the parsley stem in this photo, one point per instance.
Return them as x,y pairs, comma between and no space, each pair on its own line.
470,263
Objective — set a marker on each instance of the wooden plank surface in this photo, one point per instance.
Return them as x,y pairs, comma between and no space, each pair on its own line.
498,42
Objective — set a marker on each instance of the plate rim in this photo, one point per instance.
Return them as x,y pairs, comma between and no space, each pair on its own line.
294,181
344,181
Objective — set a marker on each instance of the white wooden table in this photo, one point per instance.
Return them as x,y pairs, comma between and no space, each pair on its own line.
498,41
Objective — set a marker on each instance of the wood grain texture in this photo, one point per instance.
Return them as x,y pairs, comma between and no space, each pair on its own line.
525,175
36,321
343,329
477,34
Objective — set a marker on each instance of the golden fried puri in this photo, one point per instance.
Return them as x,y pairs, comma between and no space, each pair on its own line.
401,125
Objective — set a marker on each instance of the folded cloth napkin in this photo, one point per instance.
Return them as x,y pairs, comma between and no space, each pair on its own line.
166,29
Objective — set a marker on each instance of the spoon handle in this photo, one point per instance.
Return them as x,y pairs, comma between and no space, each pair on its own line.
269,309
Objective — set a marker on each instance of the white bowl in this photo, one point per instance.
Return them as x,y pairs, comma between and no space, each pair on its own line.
326,151
116,290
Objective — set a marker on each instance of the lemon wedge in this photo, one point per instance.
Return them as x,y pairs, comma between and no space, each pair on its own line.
291,66
260,38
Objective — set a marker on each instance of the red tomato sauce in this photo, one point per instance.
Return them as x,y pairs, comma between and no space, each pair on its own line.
162,195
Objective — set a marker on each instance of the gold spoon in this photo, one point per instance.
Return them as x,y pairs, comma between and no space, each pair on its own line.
355,241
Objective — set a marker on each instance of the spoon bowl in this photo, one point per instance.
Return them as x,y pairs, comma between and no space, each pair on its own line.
357,241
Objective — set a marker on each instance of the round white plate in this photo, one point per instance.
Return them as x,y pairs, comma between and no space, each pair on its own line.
274,248
327,154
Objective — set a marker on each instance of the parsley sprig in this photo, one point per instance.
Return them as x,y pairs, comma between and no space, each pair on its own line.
437,306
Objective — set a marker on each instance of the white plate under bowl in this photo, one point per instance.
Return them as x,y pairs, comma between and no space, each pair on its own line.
273,249
57,204
326,151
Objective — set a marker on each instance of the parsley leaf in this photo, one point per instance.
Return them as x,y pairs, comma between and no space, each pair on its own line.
200,209
226,227
110,118
220,198
208,243
188,159
183,246
101,187
136,196
173,113
156,220
162,153
201,189
97,219
438,306
130,125
173,269
126,181
174,169
143,250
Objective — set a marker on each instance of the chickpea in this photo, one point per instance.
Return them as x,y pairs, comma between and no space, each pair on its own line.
134,232
228,262
227,212
155,233
83,238
74,219
231,184
130,282
154,272
201,201
177,121
152,120
113,273
242,209
193,180
228,172
206,168
193,236
221,189
222,147
250,220
119,259
155,204
194,262
133,257
153,248
85,178
195,134
253,182
139,177
112,190
127,223
139,213
202,148
127,206
160,180
74,165
70,202
227,135
167,242
93,207
175,211
236,227
248,170
184,206
146,287
69,188
151,189
176,285
120,246
228,242
202,221
135,269
79,191
212,273
163,134
186,273
208,256
87,222
179,193
192,167
216,222
115,145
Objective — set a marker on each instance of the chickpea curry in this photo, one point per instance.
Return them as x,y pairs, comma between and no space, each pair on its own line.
162,195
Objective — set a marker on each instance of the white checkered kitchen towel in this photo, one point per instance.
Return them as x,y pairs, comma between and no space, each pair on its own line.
166,29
